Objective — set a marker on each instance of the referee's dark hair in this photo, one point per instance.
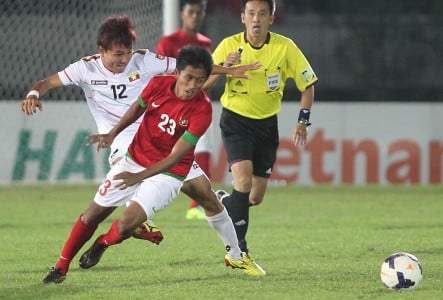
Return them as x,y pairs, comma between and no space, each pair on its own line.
271,4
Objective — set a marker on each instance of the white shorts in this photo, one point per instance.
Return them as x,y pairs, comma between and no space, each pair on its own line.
121,144
152,194
206,141
195,172
116,153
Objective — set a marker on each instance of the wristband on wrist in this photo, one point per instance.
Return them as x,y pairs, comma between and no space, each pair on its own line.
33,93
303,116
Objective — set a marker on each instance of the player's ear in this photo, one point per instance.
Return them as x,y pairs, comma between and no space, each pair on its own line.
176,73
101,50
271,20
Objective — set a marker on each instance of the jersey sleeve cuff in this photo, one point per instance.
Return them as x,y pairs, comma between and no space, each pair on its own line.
190,138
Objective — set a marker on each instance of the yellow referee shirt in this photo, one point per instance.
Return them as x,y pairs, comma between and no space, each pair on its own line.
260,96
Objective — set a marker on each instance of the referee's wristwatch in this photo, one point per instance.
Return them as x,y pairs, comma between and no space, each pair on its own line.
303,116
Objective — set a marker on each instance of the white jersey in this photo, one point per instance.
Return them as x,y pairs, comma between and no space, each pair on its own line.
109,95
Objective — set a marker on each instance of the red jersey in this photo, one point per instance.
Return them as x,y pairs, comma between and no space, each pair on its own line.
170,45
166,119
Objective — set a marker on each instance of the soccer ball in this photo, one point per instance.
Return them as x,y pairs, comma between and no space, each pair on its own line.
401,271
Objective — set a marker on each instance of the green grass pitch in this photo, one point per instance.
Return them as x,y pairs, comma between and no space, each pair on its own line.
321,242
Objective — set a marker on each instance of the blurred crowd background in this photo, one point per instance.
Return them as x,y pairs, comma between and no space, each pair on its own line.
379,50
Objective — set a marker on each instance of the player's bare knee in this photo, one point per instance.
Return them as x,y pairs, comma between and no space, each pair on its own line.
253,201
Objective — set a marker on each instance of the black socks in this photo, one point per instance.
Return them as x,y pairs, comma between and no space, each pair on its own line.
237,205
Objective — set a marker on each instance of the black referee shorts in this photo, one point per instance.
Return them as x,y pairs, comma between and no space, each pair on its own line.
250,139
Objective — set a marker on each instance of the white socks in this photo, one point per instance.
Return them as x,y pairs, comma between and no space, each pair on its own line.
222,223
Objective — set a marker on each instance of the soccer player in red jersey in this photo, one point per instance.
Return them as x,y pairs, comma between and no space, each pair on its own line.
175,113
192,14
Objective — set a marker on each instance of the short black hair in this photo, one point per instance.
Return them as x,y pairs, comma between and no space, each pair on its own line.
183,3
195,56
271,4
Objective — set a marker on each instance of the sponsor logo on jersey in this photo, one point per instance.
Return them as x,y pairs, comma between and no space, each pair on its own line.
155,105
134,76
183,122
99,82
239,83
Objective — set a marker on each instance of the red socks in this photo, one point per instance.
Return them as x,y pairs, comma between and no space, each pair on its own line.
80,234
112,237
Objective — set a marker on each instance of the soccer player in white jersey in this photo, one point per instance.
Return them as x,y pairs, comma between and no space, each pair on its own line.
112,81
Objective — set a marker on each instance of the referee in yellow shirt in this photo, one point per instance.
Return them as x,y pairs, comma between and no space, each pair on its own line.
248,122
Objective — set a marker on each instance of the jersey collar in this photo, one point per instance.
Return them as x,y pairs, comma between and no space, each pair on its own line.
268,38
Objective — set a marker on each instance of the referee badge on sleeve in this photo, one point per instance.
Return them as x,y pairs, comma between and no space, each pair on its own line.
308,75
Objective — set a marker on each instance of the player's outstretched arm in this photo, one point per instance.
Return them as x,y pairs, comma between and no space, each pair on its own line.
233,58
238,71
105,140
30,104
179,151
